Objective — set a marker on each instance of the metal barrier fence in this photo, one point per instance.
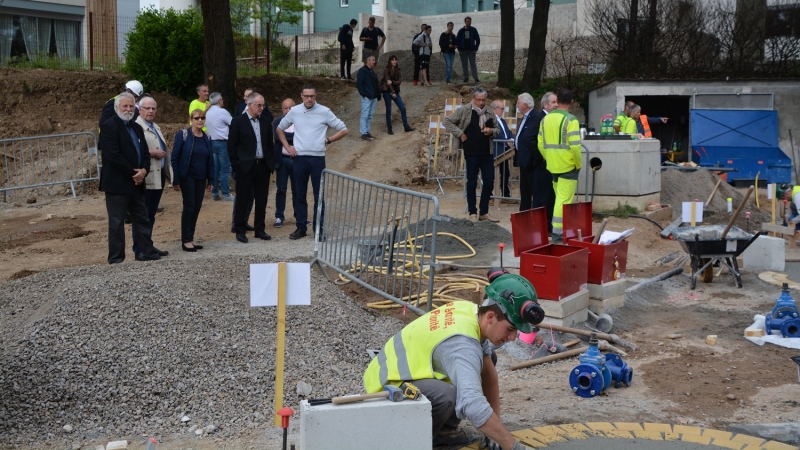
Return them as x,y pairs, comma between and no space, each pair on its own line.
48,160
379,236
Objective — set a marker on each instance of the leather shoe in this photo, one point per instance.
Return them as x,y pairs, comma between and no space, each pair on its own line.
248,227
188,249
241,237
408,128
141,257
162,252
263,235
297,234
198,246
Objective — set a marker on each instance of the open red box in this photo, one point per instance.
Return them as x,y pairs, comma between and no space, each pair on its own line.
556,271
606,262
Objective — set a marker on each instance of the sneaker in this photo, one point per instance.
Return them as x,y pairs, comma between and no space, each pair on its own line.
370,136
489,217
365,137
477,80
215,197
473,218
454,437
448,82
415,82
278,222
228,198
344,78
429,83
466,80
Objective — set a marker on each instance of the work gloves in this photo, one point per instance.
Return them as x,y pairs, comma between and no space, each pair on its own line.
488,444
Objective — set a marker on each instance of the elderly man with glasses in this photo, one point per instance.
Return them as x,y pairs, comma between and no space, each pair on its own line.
250,145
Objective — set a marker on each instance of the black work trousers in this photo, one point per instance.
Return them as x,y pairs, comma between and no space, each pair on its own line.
249,186
347,60
192,190
117,205
536,191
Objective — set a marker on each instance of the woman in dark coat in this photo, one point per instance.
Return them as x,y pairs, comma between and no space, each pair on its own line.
192,167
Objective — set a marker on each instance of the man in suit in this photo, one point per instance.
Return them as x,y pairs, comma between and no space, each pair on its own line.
160,168
250,146
126,162
535,183
502,147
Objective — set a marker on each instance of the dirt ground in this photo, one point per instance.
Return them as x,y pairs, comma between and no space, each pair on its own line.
676,380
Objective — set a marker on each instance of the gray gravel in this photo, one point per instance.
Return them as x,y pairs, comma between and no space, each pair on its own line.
116,352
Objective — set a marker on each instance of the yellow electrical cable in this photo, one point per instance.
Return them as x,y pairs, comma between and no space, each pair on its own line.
414,269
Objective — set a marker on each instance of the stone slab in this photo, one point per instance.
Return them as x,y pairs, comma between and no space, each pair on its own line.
608,290
603,306
376,424
665,213
766,253
566,306
784,432
571,320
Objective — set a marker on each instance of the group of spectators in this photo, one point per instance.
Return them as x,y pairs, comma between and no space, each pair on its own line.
466,41
251,145
548,153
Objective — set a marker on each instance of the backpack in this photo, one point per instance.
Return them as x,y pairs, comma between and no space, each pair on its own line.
414,48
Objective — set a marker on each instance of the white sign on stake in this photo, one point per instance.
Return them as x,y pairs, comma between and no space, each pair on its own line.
264,284
686,212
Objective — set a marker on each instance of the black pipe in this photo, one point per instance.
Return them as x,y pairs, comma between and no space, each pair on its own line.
631,215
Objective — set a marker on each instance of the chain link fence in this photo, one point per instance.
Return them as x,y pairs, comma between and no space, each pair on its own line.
288,49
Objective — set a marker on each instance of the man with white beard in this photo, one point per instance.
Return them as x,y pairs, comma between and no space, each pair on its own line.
126,162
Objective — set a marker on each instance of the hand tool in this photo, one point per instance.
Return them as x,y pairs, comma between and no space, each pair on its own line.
393,393
409,390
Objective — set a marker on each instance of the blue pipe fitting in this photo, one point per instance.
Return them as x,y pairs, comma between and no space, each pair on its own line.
784,317
620,372
591,377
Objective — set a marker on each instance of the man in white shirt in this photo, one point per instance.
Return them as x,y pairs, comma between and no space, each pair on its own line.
218,122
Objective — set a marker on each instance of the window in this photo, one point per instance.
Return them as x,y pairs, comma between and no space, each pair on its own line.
783,21
596,67
31,37
344,3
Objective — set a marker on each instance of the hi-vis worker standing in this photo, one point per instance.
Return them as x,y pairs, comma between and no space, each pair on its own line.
560,145
446,354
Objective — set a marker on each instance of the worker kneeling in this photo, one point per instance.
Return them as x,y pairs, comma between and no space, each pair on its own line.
448,354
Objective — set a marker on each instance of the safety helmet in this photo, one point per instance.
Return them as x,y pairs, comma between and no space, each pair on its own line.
516,297
135,87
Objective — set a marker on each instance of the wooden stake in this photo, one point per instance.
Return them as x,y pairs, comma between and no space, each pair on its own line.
600,231
693,214
280,343
714,191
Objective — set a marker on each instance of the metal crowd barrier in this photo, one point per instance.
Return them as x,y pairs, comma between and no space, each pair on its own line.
444,161
379,236
47,160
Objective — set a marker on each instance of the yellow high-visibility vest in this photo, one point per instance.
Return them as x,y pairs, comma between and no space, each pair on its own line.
560,141
408,355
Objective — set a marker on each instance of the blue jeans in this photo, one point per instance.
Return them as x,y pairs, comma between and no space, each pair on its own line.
306,167
387,97
222,168
152,197
484,164
448,63
367,108
284,175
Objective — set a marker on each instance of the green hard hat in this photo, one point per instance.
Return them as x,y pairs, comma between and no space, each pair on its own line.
512,293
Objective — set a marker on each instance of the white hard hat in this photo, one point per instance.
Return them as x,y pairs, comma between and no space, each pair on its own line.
135,87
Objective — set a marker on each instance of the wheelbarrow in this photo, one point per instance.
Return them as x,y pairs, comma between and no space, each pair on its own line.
706,249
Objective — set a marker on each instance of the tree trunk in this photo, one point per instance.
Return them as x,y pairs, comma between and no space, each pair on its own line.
219,56
632,44
536,47
505,70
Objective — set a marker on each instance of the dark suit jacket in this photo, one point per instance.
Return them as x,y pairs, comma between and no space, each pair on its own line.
505,133
242,143
120,159
528,155
278,145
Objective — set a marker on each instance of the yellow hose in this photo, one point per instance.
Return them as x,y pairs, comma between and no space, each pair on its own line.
413,269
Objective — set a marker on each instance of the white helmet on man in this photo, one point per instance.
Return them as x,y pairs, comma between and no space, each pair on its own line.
135,87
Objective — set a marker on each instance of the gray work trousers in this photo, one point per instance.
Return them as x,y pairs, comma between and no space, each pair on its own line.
468,58
442,396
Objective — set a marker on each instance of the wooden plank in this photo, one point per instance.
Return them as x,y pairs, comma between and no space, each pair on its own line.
777,229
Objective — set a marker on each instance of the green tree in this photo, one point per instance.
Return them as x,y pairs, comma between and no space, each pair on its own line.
241,13
276,12
165,51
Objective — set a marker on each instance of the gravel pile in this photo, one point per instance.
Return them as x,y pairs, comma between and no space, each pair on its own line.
168,348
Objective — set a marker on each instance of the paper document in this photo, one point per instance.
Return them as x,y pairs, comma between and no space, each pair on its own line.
609,237
264,284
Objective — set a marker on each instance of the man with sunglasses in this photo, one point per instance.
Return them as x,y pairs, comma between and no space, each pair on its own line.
311,121
250,147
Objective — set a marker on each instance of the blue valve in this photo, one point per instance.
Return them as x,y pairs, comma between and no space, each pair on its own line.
596,372
784,317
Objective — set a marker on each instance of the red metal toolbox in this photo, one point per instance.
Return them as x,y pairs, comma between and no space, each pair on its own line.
556,271
606,262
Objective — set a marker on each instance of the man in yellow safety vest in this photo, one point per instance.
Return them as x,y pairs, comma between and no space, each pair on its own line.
446,354
560,145
622,117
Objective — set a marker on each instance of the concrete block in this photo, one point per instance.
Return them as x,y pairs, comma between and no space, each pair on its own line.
566,306
115,445
568,321
766,253
375,424
608,290
603,306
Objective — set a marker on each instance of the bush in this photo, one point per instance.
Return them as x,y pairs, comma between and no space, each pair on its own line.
165,51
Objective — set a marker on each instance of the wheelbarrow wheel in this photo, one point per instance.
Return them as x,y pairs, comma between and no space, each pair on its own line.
707,276
694,272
